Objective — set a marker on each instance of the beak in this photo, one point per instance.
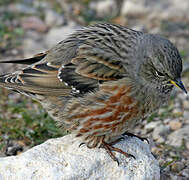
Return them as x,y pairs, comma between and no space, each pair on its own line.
178,83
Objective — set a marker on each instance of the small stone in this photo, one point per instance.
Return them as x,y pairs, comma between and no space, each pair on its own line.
172,154
176,137
52,18
177,112
104,8
160,140
32,47
160,131
134,8
177,166
185,173
152,125
187,145
186,104
175,124
21,8
186,116
156,151
56,35
167,120
34,23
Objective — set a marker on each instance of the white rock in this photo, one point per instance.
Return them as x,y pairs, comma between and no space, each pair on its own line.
62,158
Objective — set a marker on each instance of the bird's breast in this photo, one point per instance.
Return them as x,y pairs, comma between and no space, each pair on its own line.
112,110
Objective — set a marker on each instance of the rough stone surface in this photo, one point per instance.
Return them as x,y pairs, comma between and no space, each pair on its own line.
63,159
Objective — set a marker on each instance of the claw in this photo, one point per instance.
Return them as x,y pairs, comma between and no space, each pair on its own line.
109,148
133,135
81,144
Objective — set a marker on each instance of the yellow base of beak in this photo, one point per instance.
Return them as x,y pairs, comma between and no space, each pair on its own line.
173,82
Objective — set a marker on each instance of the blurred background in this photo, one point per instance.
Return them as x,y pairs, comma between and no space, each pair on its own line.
28,27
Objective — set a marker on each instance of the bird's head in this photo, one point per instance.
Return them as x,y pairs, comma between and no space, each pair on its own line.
160,65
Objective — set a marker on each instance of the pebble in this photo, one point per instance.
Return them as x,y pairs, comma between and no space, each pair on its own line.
34,23
186,104
104,8
57,34
152,125
133,8
176,137
160,131
175,124
185,173
167,120
156,151
186,116
177,112
187,145
53,19
22,8
32,47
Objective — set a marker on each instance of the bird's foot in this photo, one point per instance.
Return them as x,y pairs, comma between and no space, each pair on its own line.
109,148
133,135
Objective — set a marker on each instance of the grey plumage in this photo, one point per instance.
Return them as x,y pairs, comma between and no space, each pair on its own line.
100,81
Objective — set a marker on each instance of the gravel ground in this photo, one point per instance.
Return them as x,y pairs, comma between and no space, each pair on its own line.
38,25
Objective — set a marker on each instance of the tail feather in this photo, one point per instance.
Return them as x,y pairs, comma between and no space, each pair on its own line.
27,61
14,82
36,78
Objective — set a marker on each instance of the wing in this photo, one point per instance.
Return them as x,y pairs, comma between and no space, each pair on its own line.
76,65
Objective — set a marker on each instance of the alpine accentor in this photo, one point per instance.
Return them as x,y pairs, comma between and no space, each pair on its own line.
100,81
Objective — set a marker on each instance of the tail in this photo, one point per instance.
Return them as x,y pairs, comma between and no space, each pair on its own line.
28,61
38,78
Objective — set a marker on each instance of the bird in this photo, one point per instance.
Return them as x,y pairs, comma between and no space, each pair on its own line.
101,81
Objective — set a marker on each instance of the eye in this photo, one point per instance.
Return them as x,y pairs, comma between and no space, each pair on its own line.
159,74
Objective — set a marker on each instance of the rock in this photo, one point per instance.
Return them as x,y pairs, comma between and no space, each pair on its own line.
56,35
185,173
104,8
167,120
177,166
53,19
186,104
134,8
34,23
186,116
176,138
187,145
152,125
21,8
159,9
31,47
175,124
62,158
159,132
33,44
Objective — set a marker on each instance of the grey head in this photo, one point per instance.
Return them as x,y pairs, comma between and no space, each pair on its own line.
159,65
